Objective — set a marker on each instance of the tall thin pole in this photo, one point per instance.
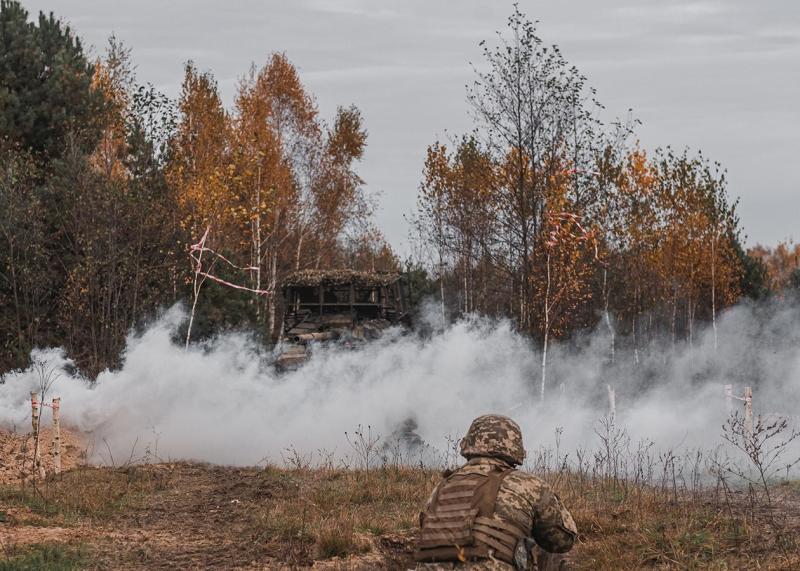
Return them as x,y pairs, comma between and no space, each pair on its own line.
57,435
612,401
546,329
714,286
748,409
38,468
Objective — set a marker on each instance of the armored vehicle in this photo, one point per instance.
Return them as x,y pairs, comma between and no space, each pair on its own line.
344,305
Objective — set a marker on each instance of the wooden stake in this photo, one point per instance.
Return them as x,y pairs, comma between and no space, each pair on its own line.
57,435
38,468
748,409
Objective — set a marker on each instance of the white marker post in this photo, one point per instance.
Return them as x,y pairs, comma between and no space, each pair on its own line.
38,468
748,410
57,435
612,401
729,399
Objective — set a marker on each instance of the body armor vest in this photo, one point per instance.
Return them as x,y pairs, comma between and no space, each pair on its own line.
460,523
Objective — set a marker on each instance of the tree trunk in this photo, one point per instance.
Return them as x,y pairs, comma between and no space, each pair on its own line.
546,331
257,243
273,286
298,250
674,314
606,295
714,287
441,286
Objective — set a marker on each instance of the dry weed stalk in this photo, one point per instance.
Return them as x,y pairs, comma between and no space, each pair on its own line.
765,445
364,444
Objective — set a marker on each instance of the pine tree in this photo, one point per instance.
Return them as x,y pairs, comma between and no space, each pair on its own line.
45,84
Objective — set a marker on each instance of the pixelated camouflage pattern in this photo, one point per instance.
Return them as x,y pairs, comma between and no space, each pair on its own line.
529,503
546,562
487,565
495,436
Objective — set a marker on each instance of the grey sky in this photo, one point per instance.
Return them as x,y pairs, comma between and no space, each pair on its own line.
721,76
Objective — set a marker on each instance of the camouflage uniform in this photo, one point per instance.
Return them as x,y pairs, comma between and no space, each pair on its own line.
494,443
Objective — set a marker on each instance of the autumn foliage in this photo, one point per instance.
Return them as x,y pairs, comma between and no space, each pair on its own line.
97,222
543,214
547,216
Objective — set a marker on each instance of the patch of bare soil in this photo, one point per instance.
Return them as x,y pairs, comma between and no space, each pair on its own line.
18,531
205,520
16,453
201,520
196,516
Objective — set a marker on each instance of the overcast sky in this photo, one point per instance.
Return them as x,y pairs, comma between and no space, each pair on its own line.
721,76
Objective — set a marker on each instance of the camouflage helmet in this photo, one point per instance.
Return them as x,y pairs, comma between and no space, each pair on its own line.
496,436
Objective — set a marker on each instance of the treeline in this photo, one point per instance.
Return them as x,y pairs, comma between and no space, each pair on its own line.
780,266
548,216
105,184
543,213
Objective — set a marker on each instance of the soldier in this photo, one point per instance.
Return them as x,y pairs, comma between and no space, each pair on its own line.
489,515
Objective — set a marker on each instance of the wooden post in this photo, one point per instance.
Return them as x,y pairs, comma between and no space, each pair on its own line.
57,435
748,409
612,401
38,468
729,399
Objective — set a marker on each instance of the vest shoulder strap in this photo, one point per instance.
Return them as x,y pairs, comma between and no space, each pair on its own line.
488,498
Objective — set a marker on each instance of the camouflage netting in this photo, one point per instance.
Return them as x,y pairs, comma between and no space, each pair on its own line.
313,278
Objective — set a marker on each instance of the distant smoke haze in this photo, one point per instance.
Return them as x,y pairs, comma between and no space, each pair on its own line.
222,402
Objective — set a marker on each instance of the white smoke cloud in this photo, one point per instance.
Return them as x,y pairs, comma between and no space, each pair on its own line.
223,402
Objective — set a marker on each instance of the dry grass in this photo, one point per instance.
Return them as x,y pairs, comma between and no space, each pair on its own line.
43,557
635,509
645,527
326,513
200,516
85,493
195,515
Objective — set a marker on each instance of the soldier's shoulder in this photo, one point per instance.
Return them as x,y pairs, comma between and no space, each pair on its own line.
525,482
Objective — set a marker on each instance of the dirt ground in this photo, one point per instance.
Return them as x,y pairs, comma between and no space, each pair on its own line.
16,453
198,516
194,516
167,516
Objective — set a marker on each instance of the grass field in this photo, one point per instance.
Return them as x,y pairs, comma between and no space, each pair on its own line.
189,515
